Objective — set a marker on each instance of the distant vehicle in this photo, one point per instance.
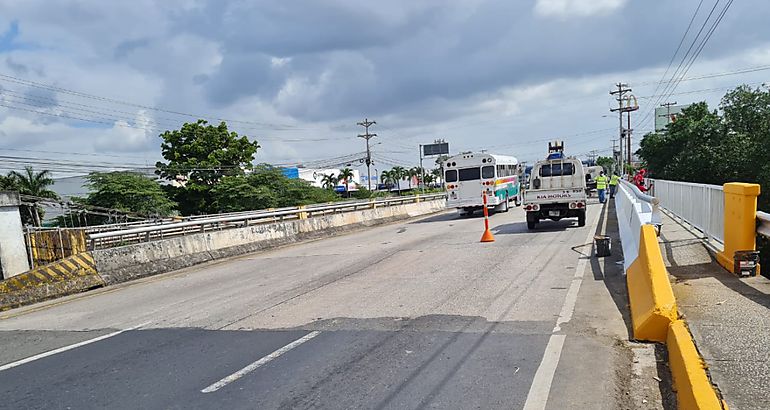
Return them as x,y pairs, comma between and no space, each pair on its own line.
469,175
557,189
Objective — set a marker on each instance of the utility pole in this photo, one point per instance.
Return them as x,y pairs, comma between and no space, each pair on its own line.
422,171
615,153
621,97
668,110
592,157
366,124
628,138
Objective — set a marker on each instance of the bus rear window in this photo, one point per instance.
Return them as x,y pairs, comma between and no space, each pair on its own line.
451,176
555,170
488,171
470,174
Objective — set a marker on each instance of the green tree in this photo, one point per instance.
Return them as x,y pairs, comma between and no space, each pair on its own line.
703,146
35,184
387,178
329,181
605,162
128,192
8,183
345,176
199,156
399,173
266,187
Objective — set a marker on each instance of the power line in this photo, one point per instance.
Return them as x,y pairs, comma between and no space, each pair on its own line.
29,83
689,59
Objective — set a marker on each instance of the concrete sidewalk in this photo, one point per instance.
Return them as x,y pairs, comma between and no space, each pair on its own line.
728,317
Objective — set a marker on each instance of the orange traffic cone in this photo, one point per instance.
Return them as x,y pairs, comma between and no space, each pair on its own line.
487,235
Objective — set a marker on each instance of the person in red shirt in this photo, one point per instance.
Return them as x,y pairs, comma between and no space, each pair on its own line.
639,180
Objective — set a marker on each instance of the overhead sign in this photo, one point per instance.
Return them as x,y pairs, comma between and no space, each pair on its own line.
441,148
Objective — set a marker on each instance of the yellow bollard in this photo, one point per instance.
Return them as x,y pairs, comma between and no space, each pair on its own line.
740,221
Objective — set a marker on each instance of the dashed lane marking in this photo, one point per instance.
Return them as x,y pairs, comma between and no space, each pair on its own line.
65,348
259,363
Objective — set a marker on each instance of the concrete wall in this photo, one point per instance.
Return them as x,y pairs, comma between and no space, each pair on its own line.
124,263
13,252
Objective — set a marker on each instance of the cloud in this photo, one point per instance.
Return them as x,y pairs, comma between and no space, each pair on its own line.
577,8
477,72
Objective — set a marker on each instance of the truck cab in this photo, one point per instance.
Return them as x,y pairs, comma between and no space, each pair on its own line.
557,189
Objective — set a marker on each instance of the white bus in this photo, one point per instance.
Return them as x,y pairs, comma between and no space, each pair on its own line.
468,175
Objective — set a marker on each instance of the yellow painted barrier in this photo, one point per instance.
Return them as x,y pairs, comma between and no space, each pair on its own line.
692,385
740,221
653,306
66,276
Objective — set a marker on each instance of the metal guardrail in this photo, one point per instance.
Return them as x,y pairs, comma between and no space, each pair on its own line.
763,226
699,205
208,223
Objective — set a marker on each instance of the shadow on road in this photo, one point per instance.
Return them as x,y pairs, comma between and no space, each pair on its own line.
711,269
545,226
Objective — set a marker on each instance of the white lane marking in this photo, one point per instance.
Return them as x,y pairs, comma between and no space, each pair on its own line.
541,383
259,363
65,348
537,397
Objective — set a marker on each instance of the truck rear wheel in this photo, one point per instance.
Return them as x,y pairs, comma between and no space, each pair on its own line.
531,220
582,218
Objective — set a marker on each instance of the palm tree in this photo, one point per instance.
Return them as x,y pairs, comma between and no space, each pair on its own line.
329,181
345,176
437,173
387,178
398,175
34,184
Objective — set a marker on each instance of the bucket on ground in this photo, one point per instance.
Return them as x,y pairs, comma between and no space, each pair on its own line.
602,246
745,263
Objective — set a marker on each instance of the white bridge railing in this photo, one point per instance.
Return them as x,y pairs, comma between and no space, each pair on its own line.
634,209
165,230
702,206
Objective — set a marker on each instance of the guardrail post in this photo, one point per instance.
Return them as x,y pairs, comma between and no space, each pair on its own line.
740,221
416,198
373,203
302,215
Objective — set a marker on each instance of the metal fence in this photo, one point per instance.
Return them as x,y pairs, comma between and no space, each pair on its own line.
113,238
702,206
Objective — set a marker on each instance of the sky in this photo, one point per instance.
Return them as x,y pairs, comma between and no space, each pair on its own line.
93,83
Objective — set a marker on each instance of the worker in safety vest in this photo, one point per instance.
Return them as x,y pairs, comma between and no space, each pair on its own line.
614,181
601,185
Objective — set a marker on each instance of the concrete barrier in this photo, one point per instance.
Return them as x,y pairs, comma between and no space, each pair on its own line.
692,385
653,306
116,265
66,276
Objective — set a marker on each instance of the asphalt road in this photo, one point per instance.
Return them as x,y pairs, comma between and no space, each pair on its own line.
417,314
